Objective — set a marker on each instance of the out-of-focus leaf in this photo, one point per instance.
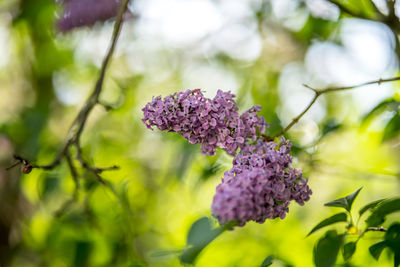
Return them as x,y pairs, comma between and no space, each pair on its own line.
392,237
387,104
327,249
209,170
267,262
376,249
349,249
315,28
183,161
345,202
360,8
200,235
82,253
340,217
370,206
379,213
163,253
346,264
330,126
392,129
202,232
50,185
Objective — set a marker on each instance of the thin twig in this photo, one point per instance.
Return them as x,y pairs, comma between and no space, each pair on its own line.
376,229
95,170
78,125
318,93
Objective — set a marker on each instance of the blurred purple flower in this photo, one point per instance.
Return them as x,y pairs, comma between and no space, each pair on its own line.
78,13
260,185
210,122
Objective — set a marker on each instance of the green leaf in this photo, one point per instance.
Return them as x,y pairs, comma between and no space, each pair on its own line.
392,237
200,235
387,104
348,250
340,217
376,249
201,232
359,9
330,126
396,259
370,206
267,262
379,213
392,129
327,249
344,202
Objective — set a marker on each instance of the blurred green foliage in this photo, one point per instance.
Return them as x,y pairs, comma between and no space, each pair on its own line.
165,185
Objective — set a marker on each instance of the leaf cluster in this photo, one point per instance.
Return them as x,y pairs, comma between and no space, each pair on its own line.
327,248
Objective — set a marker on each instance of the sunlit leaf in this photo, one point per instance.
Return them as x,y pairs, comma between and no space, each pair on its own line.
357,8
370,206
379,213
200,235
327,249
349,249
387,104
202,232
340,217
345,202
376,249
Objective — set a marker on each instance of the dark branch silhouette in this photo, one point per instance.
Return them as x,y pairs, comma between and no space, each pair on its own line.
78,125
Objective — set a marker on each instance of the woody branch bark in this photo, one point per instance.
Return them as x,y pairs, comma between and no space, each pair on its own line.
78,125
318,93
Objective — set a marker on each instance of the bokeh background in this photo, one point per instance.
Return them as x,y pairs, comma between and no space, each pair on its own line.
262,51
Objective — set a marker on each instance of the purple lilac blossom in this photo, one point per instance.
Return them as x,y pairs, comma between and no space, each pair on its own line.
210,122
260,185
78,13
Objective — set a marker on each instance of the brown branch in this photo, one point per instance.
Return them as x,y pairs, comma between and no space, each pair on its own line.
391,7
318,93
95,170
375,229
78,125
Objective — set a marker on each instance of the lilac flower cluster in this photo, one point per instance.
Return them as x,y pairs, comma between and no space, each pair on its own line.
260,185
78,13
210,122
